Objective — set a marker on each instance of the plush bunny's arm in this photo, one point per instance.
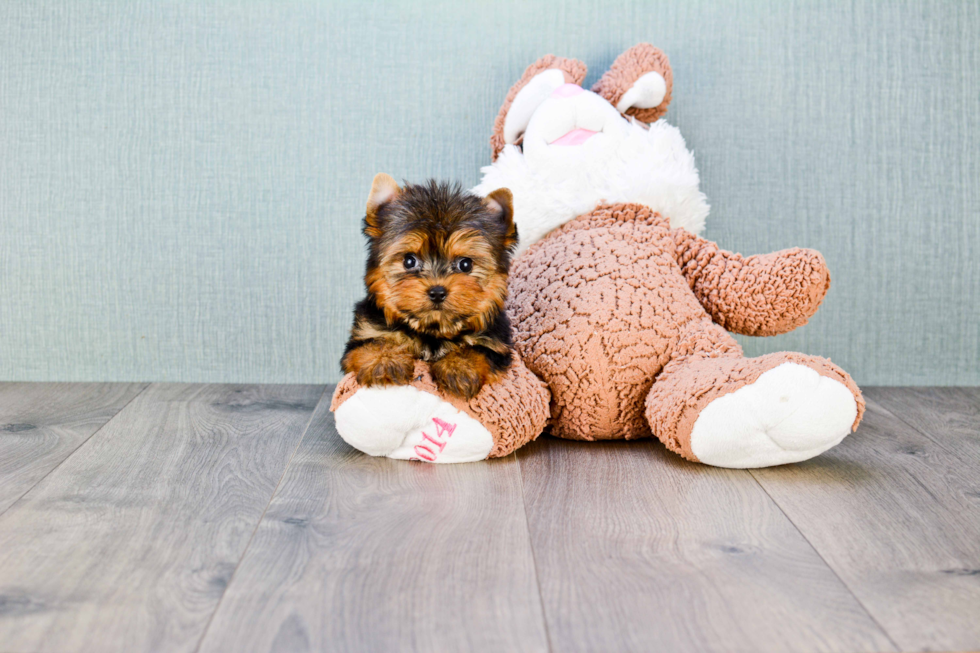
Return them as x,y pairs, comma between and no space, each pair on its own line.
762,295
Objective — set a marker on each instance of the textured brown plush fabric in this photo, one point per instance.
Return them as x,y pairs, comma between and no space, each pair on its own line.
574,73
514,410
762,295
601,306
596,307
629,67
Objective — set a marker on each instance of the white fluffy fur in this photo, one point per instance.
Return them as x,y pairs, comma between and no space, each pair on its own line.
625,162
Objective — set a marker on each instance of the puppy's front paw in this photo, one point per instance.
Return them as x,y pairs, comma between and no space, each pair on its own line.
462,383
380,366
458,375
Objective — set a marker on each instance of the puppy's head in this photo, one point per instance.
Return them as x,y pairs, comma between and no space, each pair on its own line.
438,256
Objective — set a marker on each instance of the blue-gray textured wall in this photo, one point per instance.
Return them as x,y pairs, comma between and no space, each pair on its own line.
181,183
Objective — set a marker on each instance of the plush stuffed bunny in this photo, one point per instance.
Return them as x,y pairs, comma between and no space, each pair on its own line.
617,304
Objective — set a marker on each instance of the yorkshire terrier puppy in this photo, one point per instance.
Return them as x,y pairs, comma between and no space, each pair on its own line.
436,281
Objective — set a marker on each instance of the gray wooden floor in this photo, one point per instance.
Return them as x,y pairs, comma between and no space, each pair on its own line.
168,517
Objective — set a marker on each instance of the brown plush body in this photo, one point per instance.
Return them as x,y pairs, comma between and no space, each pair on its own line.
620,316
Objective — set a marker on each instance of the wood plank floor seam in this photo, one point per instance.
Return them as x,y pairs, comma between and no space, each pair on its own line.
898,415
637,549
362,553
534,560
857,599
73,451
231,579
129,547
893,512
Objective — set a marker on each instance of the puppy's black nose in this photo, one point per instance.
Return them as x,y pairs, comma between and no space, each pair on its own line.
437,294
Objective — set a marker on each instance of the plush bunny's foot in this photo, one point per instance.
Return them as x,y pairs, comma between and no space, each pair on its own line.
742,413
406,423
787,415
418,422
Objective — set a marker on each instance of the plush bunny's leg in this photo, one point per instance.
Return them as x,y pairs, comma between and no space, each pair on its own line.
711,404
418,422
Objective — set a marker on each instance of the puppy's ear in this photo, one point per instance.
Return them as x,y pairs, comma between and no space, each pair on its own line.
500,203
383,190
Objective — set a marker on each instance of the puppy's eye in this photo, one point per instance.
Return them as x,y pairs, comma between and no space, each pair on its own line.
410,262
464,265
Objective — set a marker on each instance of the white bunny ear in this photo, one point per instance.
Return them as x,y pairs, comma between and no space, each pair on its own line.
527,100
543,76
648,92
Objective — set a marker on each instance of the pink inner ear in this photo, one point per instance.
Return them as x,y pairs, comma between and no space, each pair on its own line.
567,90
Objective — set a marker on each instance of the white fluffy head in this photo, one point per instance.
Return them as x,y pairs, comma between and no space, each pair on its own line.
579,152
